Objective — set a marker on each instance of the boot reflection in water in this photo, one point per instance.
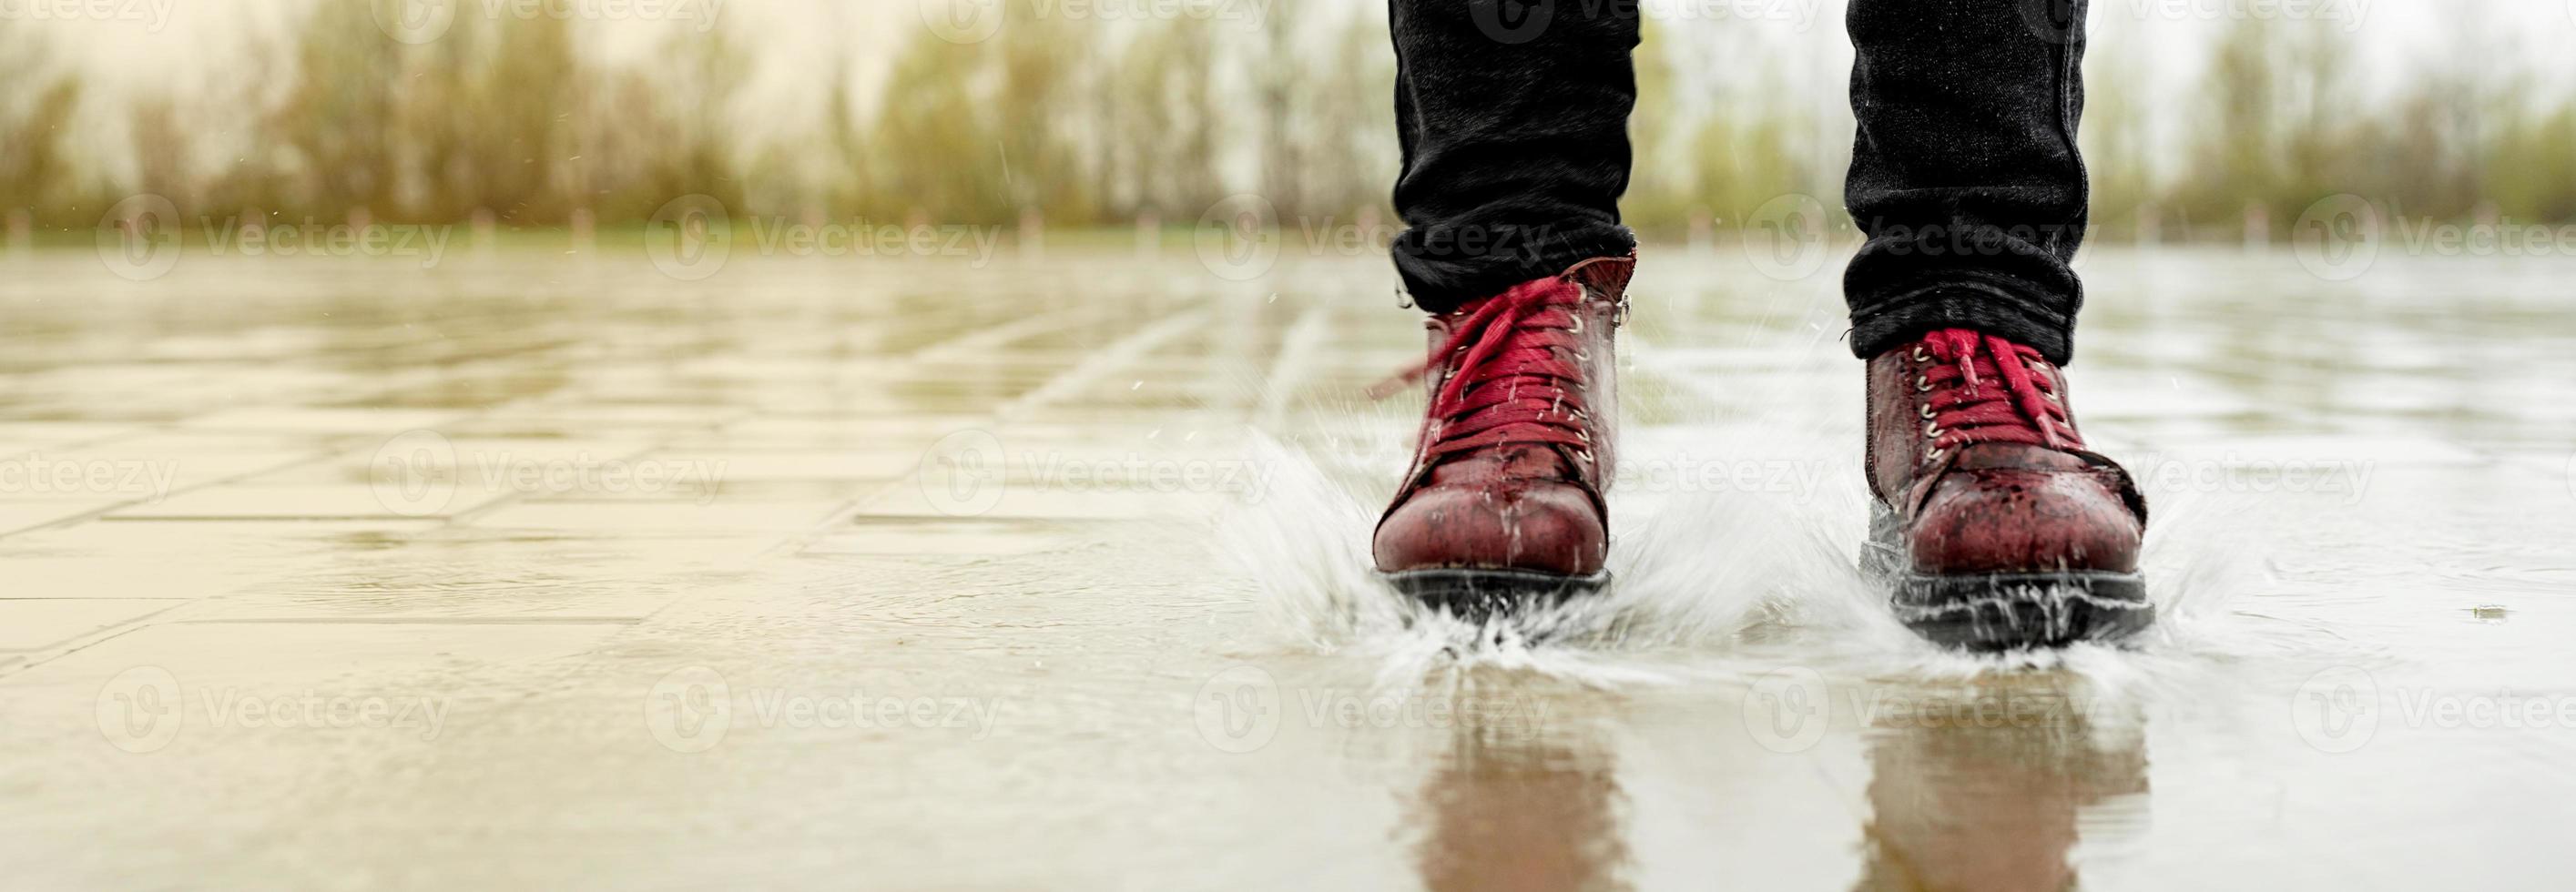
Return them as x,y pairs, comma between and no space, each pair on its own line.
1993,809
1507,812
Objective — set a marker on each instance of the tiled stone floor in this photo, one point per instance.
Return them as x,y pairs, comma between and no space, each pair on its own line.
545,572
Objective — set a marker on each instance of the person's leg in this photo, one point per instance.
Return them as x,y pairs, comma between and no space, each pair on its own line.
1513,116
1995,525
1964,175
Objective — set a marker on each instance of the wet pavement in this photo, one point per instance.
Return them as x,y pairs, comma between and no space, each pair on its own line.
536,571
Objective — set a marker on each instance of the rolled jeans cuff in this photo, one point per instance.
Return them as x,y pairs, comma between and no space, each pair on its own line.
1885,323
1440,279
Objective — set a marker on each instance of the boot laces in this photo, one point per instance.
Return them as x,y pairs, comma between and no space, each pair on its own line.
1987,389
1521,349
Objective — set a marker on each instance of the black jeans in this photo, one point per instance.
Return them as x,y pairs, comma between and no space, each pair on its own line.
1964,177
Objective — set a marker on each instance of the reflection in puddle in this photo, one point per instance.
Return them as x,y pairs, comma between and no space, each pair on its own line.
1984,792
1506,808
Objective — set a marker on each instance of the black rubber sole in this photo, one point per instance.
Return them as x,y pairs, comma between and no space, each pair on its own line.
2023,611
1481,594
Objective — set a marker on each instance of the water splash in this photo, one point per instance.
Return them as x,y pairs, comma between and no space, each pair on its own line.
1723,584
1710,576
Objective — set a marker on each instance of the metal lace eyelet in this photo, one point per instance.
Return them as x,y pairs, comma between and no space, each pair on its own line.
1585,455
1931,429
1578,322
1586,436
1582,356
1922,384
1935,455
1919,355
1923,409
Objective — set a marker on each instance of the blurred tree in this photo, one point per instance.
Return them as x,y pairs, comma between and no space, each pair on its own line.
33,162
649,135
1661,182
1164,119
1036,111
2117,139
931,151
1351,122
483,120
1091,122
2528,171
339,122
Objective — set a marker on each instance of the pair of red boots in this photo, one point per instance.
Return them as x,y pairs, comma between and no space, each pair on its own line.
1993,526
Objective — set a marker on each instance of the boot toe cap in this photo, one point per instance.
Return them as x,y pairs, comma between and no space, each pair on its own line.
2007,521
1547,528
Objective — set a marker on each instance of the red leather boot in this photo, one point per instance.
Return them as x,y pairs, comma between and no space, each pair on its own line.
1502,506
1995,526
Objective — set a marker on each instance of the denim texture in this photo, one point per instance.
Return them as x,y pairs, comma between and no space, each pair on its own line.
1965,179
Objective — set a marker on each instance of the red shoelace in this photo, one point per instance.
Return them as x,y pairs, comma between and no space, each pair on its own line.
1521,350
1983,390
